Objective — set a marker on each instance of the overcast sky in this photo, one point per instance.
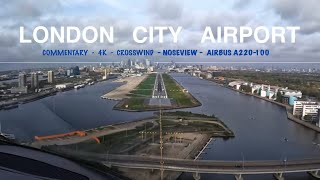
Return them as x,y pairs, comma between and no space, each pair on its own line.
192,15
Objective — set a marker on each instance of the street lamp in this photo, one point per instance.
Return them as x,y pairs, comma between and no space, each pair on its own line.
285,163
242,161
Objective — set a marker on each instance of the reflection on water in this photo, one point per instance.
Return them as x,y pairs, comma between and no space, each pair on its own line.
258,138
70,110
261,137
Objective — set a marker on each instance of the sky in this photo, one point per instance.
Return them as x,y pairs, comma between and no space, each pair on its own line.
192,15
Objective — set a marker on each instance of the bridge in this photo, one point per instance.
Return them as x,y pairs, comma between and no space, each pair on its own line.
236,168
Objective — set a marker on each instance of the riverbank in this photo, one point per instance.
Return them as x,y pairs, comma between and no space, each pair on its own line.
288,109
123,91
140,100
7,105
188,148
180,142
184,134
175,90
90,133
11,104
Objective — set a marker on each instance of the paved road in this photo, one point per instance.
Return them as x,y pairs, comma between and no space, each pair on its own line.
207,166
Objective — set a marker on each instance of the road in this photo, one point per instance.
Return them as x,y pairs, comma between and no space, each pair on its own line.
205,166
223,167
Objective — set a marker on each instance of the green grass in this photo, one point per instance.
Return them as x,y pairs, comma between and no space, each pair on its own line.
113,143
196,126
187,114
144,92
136,95
135,103
145,88
176,92
124,139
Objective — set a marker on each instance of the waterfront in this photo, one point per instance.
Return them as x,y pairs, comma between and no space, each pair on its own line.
66,111
258,138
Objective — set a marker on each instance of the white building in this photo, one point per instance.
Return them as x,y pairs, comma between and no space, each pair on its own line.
263,91
289,92
105,75
267,91
150,69
303,108
64,86
255,87
237,84
209,75
234,83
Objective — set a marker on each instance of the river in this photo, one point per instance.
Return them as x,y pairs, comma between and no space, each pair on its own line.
257,138
66,111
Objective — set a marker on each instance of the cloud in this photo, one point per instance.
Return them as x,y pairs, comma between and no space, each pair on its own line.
166,9
193,18
240,4
27,9
299,12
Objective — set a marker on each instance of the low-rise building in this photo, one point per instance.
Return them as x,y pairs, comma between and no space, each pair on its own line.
64,86
208,75
285,99
293,93
288,100
19,90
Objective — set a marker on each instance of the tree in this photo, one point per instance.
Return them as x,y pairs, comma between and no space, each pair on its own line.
245,88
279,96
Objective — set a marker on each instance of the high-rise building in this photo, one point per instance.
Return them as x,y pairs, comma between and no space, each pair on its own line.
130,63
50,76
34,80
147,63
68,72
22,80
76,70
105,74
